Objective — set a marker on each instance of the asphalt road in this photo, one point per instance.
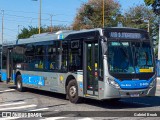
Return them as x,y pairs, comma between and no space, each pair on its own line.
53,106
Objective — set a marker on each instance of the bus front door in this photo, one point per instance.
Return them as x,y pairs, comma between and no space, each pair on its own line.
9,65
90,64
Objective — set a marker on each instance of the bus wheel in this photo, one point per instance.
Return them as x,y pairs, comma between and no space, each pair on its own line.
72,91
19,83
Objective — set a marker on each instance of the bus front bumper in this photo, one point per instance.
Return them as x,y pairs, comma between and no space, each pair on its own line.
112,92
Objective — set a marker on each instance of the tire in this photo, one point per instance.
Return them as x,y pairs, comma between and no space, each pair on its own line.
72,92
19,84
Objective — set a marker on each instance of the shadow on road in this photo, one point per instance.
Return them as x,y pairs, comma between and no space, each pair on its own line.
126,103
42,92
121,104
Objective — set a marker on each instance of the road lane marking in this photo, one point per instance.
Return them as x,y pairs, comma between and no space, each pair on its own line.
9,118
54,118
57,118
40,109
8,104
21,107
85,118
9,90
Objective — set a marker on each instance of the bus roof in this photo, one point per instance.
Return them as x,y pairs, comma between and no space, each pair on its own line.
60,35
64,34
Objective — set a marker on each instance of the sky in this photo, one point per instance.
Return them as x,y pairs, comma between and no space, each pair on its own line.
23,13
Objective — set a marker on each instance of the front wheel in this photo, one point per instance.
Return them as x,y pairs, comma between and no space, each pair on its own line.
72,92
19,83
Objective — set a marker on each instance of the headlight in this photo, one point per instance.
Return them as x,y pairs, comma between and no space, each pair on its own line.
113,83
152,83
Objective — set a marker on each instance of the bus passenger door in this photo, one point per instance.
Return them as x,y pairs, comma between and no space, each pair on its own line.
9,65
90,68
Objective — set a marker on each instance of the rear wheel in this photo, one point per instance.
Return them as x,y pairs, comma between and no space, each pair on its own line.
72,92
19,83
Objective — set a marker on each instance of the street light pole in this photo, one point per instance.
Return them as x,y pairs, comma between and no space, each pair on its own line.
148,25
103,14
51,23
40,7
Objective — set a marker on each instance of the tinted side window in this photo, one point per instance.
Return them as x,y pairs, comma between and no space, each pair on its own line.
4,58
52,57
18,55
75,56
39,57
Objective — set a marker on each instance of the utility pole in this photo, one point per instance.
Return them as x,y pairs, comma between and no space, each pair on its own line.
39,18
40,7
1,48
51,23
103,14
19,29
148,23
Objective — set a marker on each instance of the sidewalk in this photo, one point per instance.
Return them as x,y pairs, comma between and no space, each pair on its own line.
158,82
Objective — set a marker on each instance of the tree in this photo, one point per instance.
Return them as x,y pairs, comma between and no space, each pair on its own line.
89,14
155,5
135,16
142,17
27,32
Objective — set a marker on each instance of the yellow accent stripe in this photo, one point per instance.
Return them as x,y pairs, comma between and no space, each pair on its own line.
145,70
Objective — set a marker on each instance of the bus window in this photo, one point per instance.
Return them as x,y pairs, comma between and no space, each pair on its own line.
18,55
39,57
52,56
64,55
75,58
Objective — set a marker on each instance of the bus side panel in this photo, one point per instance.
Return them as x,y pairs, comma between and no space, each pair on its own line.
3,75
48,81
79,78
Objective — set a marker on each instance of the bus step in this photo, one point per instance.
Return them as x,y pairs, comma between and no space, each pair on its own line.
91,96
10,83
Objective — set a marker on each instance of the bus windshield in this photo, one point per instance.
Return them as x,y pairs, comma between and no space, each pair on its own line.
130,57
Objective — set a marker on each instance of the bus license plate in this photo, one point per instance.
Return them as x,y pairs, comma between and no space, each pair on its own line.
135,95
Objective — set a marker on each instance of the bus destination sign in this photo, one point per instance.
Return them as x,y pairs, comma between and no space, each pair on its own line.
126,35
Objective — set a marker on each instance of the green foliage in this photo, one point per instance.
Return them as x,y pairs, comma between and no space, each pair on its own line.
142,17
90,14
155,5
27,32
149,2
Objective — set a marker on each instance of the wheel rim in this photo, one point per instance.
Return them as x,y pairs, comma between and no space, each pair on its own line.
72,91
19,84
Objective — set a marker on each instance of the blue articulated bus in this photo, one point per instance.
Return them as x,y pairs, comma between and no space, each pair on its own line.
110,63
